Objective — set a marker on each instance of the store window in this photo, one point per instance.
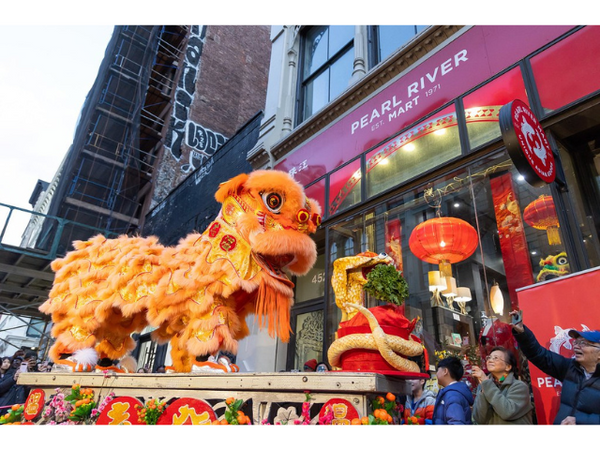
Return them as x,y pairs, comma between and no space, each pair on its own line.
568,70
345,187
312,285
482,107
316,191
520,242
389,38
414,152
327,63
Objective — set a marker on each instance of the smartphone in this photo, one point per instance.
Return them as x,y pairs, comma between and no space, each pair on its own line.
23,367
517,318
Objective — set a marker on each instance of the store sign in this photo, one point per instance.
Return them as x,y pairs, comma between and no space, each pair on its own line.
470,59
527,144
549,314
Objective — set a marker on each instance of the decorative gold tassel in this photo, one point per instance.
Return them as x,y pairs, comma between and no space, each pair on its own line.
553,235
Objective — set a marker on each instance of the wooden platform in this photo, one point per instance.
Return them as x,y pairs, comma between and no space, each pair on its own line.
265,394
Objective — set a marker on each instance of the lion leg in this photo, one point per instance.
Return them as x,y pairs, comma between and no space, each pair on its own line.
73,350
182,360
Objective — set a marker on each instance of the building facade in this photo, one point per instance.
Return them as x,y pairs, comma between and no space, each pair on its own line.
388,127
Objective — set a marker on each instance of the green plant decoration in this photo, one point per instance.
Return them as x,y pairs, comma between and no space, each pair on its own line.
387,284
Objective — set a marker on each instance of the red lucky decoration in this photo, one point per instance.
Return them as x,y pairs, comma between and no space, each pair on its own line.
443,241
541,214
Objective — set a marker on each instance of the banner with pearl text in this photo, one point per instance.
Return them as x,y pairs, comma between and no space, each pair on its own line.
550,310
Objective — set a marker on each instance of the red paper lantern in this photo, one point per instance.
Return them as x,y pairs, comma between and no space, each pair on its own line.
443,241
541,214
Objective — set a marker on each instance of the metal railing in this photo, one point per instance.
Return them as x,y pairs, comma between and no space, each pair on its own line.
52,236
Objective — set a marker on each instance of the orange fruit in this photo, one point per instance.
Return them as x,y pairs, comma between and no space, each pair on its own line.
224,422
365,420
15,407
78,403
380,399
216,422
388,418
391,397
356,421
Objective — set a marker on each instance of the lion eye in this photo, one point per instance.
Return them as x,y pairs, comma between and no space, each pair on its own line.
562,260
273,201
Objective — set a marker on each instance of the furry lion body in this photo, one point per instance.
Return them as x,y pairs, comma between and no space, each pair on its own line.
197,295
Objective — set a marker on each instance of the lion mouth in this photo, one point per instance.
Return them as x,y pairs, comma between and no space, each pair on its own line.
276,262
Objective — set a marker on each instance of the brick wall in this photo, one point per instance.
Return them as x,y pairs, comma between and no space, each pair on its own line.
230,90
234,71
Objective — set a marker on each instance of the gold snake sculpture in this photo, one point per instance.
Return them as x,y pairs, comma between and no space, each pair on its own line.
388,345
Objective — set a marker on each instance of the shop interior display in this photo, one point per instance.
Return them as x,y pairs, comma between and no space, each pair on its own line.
554,266
541,214
444,241
196,294
378,339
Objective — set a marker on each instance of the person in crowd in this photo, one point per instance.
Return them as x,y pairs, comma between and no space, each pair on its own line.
310,365
8,379
6,365
322,367
10,392
44,366
454,401
501,398
19,354
142,370
420,402
161,369
580,376
32,362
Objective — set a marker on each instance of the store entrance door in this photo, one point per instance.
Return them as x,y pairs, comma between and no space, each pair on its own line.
306,342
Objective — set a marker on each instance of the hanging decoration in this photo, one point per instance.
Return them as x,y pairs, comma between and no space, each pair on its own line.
541,214
496,299
443,241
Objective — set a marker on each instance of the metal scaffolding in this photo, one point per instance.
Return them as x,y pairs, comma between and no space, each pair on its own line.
105,180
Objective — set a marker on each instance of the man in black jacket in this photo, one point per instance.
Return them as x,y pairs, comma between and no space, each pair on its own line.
580,377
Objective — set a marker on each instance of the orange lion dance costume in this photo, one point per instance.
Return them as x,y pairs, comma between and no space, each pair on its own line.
196,294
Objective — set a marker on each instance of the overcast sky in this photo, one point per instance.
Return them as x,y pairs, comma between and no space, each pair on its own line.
45,74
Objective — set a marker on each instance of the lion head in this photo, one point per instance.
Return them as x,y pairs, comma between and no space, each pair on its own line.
270,210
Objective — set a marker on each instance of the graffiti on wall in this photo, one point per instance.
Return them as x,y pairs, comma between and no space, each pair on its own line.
203,142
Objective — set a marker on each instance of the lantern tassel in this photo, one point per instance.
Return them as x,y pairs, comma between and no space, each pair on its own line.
445,268
553,236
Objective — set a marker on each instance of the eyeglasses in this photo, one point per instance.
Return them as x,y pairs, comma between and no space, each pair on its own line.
582,343
493,358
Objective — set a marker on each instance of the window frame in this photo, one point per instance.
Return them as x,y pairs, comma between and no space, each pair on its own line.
303,82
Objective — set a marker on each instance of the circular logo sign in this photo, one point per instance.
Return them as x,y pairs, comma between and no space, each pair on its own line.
343,411
187,411
527,144
120,411
34,404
